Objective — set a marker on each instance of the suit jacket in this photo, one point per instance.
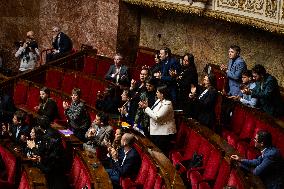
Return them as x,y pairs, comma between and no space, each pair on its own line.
130,166
202,107
269,166
123,74
166,66
62,43
162,121
24,130
234,74
105,132
268,95
49,109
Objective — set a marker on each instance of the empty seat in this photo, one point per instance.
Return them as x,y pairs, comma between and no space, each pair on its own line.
90,65
53,78
33,98
84,83
68,82
24,184
20,93
9,161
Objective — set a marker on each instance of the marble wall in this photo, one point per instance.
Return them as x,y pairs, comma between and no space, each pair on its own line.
16,18
86,22
209,40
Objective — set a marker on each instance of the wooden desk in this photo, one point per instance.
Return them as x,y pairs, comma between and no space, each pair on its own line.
99,176
35,177
167,170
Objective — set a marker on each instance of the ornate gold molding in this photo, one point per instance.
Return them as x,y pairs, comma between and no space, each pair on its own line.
232,13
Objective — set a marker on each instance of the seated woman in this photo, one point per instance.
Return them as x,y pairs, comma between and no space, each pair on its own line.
77,115
34,143
47,106
162,121
202,100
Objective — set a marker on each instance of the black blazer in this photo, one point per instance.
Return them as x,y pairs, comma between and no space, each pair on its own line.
49,110
203,109
62,43
131,164
24,130
123,74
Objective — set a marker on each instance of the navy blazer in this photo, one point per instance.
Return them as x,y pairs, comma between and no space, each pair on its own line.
166,66
23,131
234,74
269,167
123,74
131,164
62,43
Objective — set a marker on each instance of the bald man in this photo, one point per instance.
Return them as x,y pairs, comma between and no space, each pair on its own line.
28,53
61,43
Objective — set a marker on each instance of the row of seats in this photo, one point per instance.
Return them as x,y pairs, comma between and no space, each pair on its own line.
148,177
64,81
148,172
10,165
215,172
244,125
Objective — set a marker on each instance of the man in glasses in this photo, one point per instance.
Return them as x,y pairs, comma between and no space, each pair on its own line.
269,165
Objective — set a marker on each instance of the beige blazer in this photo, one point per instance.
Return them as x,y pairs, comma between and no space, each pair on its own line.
162,121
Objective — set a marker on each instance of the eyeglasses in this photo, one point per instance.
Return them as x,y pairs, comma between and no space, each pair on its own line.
255,140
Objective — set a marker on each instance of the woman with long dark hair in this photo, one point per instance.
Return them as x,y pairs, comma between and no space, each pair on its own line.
47,107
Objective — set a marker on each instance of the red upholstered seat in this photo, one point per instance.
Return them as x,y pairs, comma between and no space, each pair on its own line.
248,127
238,119
74,175
61,116
24,184
68,82
33,97
235,180
192,146
53,79
145,58
159,183
210,170
135,73
182,135
84,179
102,67
96,86
20,93
90,65
84,83
10,164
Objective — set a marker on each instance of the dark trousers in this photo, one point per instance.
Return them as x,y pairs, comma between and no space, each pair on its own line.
163,142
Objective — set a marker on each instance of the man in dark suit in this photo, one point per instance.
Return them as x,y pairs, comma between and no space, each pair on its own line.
118,73
126,161
61,43
19,130
170,68
268,166
7,108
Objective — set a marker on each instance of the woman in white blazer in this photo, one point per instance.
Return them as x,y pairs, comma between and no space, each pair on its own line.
162,121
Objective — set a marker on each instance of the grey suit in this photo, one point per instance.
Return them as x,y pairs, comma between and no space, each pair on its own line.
103,133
